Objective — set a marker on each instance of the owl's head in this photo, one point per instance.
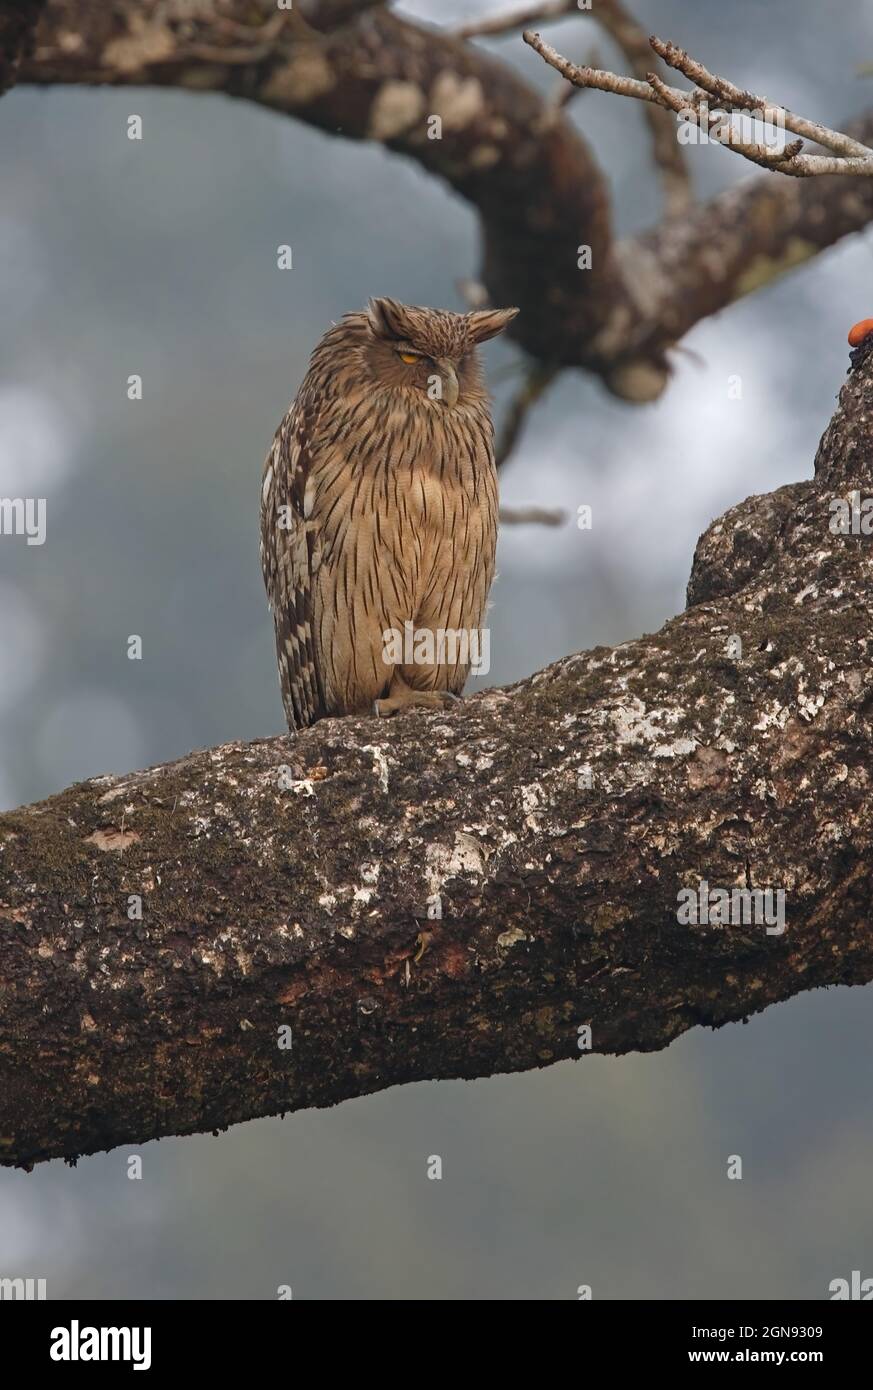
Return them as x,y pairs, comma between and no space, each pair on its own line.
429,350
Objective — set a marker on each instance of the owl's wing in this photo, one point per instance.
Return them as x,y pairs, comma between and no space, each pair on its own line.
287,560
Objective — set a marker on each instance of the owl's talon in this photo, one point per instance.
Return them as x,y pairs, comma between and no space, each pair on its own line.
402,698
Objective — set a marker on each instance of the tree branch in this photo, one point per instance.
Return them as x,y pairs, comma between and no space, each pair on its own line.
854,158
494,25
17,24
631,38
382,78
329,14
532,516
756,232
535,383
457,895
667,153
737,99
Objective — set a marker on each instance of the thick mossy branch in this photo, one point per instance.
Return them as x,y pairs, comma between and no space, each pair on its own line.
457,895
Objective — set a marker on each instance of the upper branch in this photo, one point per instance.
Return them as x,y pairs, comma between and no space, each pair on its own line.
17,24
632,40
853,157
541,196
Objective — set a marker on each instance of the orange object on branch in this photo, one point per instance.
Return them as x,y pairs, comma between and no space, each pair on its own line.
859,331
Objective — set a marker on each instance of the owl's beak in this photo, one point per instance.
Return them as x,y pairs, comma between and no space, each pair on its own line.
451,390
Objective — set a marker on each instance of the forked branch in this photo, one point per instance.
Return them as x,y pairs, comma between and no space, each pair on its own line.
847,156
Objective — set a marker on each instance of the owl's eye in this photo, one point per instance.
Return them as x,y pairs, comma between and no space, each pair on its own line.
409,357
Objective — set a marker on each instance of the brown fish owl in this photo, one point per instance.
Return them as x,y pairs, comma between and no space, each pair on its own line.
379,514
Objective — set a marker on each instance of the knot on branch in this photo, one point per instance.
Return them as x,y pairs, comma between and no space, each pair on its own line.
764,530
734,549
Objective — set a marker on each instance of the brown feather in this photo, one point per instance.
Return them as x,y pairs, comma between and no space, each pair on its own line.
379,506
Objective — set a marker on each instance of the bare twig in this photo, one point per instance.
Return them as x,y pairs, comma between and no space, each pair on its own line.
595,78
633,41
851,157
770,113
769,157
516,19
536,381
565,92
532,516
668,154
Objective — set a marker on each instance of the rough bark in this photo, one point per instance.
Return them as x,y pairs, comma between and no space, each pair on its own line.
307,905
534,182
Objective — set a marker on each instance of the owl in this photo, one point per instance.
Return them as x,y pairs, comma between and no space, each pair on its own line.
379,514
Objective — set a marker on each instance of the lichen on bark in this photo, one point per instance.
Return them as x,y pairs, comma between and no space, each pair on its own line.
453,895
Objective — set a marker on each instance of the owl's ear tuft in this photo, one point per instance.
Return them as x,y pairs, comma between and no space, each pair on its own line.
387,318
487,323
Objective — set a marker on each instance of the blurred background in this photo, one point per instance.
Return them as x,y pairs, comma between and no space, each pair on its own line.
159,258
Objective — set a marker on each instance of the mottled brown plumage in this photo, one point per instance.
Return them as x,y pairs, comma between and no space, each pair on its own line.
379,509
